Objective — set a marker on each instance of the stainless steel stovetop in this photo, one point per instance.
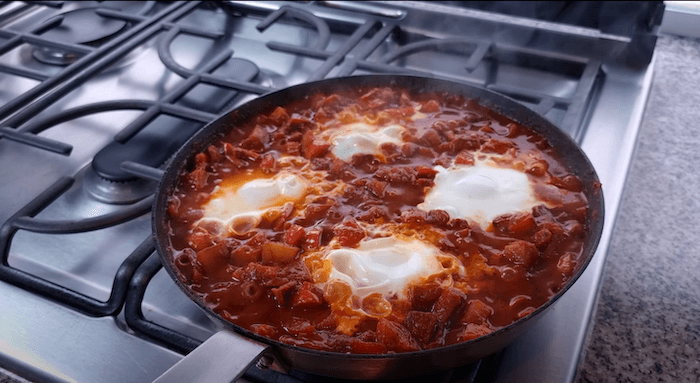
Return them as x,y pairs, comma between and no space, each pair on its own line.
88,86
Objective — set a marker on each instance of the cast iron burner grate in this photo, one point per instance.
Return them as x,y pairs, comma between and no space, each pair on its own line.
372,45
58,43
82,26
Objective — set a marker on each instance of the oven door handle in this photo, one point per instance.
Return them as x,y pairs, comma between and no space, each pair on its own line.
223,358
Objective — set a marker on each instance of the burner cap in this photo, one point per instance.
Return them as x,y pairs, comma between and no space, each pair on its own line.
117,193
80,26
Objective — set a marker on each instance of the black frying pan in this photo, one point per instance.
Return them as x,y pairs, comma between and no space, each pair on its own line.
247,346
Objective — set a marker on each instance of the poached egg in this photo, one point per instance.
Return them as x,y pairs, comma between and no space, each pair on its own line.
238,204
361,138
360,281
479,192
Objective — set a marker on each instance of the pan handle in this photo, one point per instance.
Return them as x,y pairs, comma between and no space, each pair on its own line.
223,358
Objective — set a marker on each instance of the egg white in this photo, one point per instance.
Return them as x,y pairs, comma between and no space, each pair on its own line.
480,192
362,138
237,208
384,266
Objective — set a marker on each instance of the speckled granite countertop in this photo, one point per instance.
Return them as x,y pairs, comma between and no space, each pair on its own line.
8,377
647,322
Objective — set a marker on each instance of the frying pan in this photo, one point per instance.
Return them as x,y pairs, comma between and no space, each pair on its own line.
228,353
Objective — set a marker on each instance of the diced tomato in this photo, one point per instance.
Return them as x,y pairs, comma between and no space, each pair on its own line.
374,214
297,123
377,187
464,158
315,211
330,100
447,303
200,161
466,141
422,325
542,238
423,296
337,167
377,97
431,106
328,323
432,137
292,148
521,252
438,217
213,257
515,223
295,235
473,331
268,163
573,228
214,154
395,337
414,215
494,145
307,296
283,292
348,233
477,312
311,147
198,178
280,115
538,168
173,205
266,275
245,254
361,347
513,130
402,112
312,240
569,182
199,240
567,264
197,275
423,171
299,326
265,330
257,139
277,252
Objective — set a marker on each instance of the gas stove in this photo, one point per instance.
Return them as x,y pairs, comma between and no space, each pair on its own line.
96,96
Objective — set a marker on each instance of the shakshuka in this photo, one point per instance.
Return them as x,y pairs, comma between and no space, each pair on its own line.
377,220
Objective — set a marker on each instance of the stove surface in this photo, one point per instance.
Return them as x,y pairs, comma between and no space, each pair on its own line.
82,294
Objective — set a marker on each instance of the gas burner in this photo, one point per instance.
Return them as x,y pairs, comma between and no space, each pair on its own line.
54,56
80,26
117,192
272,80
